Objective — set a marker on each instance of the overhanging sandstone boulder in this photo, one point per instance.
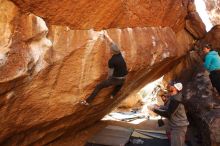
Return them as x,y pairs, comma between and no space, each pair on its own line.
105,14
45,105
41,85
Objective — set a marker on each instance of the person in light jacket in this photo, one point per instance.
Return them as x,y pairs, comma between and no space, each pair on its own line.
176,114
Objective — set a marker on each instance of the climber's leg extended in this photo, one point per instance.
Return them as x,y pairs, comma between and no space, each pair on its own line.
99,87
104,84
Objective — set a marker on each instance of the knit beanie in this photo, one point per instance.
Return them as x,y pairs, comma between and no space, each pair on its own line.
114,48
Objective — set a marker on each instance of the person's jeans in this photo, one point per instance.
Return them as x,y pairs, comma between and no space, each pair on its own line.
178,136
118,83
215,80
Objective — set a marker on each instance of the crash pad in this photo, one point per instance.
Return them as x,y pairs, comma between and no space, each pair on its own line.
111,136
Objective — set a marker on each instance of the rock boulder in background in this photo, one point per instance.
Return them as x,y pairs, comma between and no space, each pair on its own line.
213,8
203,108
213,37
194,23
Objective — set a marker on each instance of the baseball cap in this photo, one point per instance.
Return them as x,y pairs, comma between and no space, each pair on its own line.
178,86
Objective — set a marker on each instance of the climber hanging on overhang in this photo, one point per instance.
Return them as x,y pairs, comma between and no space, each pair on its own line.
116,73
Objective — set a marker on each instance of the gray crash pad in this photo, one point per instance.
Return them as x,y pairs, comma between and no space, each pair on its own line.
112,136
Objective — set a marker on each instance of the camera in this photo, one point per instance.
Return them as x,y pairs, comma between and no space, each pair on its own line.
160,122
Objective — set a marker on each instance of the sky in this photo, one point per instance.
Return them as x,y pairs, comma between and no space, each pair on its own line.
201,9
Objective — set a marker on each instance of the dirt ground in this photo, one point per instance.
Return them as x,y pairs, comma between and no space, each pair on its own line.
81,137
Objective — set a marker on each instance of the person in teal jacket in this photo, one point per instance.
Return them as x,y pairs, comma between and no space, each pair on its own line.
212,64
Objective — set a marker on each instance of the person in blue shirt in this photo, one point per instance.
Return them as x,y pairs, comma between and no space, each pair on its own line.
212,64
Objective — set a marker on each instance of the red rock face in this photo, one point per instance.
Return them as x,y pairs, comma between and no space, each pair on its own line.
43,76
213,37
43,105
52,95
104,14
194,23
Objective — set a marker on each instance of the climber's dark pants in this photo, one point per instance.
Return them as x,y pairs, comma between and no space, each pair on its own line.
118,83
215,79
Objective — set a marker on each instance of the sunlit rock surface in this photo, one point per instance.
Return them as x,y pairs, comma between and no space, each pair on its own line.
45,75
23,46
47,105
213,9
88,14
7,11
131,101
46,69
